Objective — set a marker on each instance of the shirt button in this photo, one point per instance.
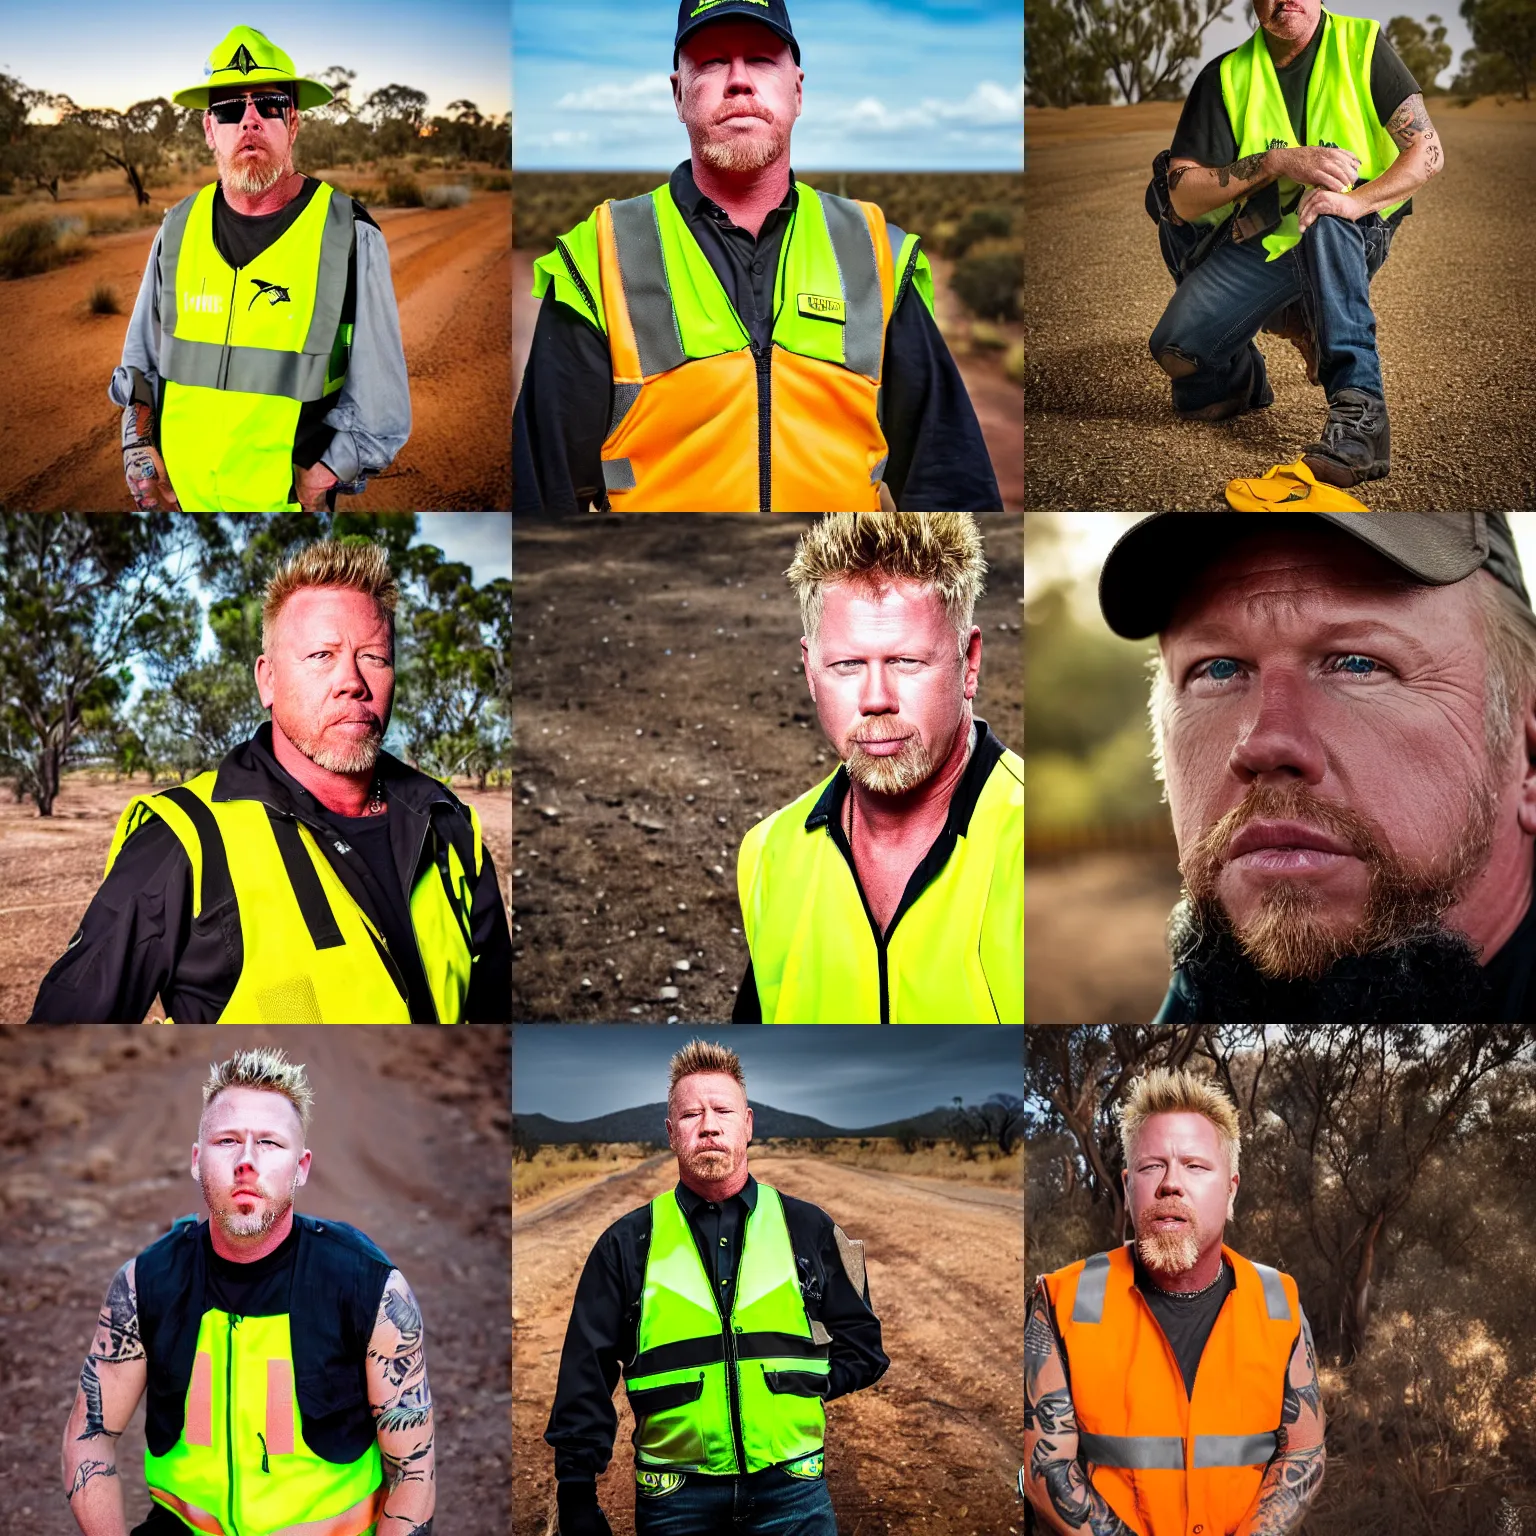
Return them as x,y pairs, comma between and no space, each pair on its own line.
757,266
722,1242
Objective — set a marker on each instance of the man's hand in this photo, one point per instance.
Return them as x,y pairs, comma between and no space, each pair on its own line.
580,1513
143,468
1335,170
1315,203
312,484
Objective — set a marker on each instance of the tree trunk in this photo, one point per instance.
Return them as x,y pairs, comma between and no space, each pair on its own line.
1357,1321
138,185
46,788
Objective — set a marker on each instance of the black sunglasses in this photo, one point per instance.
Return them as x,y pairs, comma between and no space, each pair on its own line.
266,106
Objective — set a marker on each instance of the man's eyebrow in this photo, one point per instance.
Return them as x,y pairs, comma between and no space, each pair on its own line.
1362,630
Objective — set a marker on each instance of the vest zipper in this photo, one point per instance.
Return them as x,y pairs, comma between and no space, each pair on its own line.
421,958
579,280
874,929
229,326
732,1364
764,360
229,1420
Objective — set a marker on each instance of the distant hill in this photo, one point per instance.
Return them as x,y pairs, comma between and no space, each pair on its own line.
646,1122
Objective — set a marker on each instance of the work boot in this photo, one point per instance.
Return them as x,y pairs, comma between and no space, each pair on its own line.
1255,395
1291,325
1356,444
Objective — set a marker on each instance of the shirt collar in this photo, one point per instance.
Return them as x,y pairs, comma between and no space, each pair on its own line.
694,204
962,805
692,1202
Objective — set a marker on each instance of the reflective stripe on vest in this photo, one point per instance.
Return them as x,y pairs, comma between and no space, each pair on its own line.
702,1386
956,955
241,350
311,954
242,1466
1128,1392
699,423
1340,112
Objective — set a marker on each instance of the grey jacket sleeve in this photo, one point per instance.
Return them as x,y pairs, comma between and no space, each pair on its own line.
372,416
141,346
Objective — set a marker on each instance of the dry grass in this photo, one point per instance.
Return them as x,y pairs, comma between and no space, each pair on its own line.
103,300
37,245
941,1160
556,1168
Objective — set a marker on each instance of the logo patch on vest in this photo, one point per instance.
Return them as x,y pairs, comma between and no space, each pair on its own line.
709,5
656,1485
808,1467
242,60
817,306
203,303
271,292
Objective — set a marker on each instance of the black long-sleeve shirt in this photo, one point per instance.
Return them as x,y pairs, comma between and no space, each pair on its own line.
138,936
600,1339
938,458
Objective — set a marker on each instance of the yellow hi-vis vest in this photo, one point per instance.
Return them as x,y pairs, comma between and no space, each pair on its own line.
733,1393
242,350
241,1466
702,423
1340,113
311,954
955,955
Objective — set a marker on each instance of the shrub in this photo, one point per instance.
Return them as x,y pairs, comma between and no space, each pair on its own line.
403,192
988,337
493,181
103,301
36,245
446,197
1013,363
988,281
980,224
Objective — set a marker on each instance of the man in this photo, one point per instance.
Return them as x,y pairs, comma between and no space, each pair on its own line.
1296,157
1344,718
738,341
893,891
311,878
282,1356
262,370
1171,1385
735,1313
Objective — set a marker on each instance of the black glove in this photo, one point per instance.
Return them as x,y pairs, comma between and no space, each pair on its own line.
580,1513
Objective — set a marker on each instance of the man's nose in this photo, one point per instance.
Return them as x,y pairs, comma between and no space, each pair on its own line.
349,678
877,697
247,1158
1282,740
739,80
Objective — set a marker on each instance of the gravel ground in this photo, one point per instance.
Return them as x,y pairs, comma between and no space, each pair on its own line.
1457,340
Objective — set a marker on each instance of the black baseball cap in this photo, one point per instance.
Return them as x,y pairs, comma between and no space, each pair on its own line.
693,14
1147,571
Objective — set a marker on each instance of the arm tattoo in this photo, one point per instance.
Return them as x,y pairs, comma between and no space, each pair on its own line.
1292,1479
404,1364
403,1469
1242,170
1073,1497
115,1342
1409,124
85,1472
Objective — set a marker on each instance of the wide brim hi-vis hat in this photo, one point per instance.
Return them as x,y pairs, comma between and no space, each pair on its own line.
247,57
693,14
1152,564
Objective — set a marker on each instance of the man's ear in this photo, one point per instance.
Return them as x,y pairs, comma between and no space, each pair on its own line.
1527,808
208,127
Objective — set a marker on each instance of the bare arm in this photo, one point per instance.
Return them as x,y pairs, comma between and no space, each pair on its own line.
401,1402
111,1384
1055,1482
1196,189
1419,157
1292,1479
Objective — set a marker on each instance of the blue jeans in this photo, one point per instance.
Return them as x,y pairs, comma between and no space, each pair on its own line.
1208,328
766,1503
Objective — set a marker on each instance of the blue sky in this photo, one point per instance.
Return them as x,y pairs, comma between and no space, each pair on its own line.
108,55
846,1075
889,85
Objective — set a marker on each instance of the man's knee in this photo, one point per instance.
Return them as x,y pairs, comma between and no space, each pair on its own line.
1176,363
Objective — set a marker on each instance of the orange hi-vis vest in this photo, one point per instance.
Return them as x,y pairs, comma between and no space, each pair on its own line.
702,420
1166,1463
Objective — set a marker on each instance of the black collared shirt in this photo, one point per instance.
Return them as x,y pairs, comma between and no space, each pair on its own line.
828,813
600,1339
938,457
139,938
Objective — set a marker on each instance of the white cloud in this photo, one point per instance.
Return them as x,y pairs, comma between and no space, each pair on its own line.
989,105
648,95
560,138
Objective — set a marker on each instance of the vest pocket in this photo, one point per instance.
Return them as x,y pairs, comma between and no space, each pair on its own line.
797,1383
659,1399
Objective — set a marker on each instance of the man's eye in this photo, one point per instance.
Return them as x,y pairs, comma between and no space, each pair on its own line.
1355,665
1223,669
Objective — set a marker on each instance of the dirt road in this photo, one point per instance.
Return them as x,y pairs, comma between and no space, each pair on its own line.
1093,938
451,268
50,867
931,1448
661,713
1454,328
410,1144
998,401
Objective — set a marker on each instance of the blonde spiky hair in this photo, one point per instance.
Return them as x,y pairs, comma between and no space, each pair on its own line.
1165,1092
704,1056
937,549
359,564
266,1068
